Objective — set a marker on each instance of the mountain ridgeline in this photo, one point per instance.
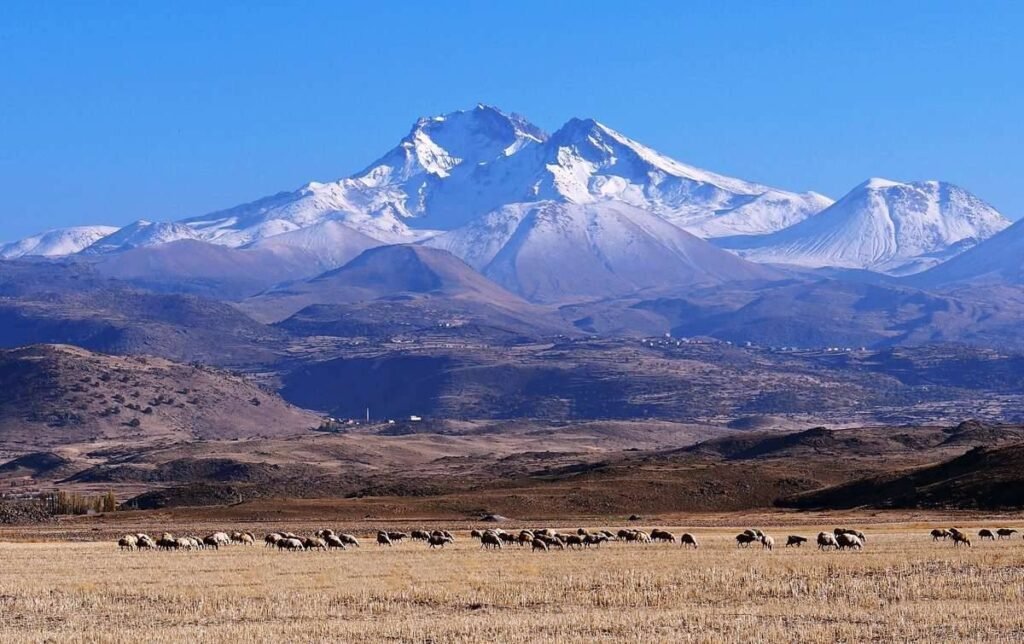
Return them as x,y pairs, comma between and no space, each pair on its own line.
481,221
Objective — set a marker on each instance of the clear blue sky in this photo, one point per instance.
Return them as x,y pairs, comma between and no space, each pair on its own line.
115,111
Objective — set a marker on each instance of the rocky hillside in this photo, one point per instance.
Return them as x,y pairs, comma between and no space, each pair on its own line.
53,395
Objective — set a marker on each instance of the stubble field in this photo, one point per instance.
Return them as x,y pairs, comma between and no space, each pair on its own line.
901,587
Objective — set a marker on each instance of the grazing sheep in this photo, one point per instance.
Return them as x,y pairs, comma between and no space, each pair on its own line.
489,539
397,536
826,540
438,540
166,542
856,533
582,532
334,541
745,539
476,534
507,537
183,543
623,534
939,533
539,544
767,542
662,535
795,540
849,540
959,538
271,539
525,537
323,534
128,542
594,540
211,541
985,533
552,542
1005,533
687,539
314,543
290,543
348,540
145,542
420,535
221,538
574,540
383,539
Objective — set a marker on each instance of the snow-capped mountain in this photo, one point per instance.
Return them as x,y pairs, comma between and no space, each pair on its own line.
881,225
999,260
141,234
55,243
587,162
453,168
382,200
450,169
496,190
554,251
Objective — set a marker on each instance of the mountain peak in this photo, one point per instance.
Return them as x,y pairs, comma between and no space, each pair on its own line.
882,225
879,183
141,234
436,145
55,243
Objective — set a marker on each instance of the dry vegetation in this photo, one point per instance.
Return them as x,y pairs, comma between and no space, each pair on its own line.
902,587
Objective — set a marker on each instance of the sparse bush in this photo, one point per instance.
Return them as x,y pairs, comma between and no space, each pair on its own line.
62,502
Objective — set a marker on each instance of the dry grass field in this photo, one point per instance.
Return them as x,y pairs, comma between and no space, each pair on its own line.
901,587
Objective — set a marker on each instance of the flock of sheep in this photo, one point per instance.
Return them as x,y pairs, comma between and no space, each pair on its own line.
838,539
542,539
545,539
167,541
960,538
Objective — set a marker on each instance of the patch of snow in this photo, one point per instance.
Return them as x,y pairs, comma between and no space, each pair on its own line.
56,243
141,234
555,251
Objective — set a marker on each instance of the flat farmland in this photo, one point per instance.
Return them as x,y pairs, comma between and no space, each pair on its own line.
902,586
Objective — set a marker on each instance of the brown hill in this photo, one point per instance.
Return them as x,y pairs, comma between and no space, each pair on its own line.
53,395
400,288
983,478
820,442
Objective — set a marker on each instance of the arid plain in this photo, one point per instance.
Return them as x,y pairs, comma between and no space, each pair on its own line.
902,586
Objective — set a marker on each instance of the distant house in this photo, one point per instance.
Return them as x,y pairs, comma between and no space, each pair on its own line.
415,419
